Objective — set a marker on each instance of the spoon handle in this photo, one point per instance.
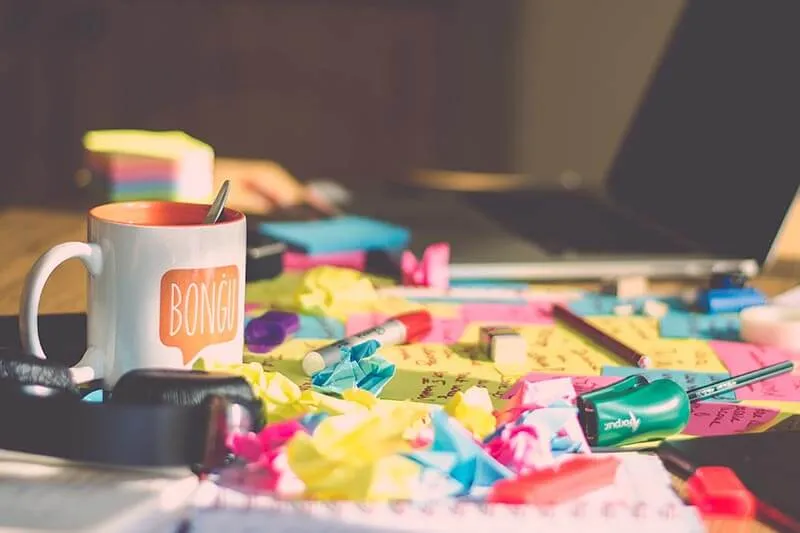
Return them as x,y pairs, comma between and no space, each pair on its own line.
219,204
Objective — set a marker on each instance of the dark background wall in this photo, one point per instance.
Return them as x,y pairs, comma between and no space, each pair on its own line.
346,89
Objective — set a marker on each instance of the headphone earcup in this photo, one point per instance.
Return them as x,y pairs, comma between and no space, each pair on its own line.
28,373
184,388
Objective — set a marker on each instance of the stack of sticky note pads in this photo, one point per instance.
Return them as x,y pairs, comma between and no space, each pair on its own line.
124,165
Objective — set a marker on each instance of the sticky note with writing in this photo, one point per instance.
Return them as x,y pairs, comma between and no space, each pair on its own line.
630,330
339,234
699,326
200,307
682,354
433,373
740,357
714,418
582,384
685,379
552,349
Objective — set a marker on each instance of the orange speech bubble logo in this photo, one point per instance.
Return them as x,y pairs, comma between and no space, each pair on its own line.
199,307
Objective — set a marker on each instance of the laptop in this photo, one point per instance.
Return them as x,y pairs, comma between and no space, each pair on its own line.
702,182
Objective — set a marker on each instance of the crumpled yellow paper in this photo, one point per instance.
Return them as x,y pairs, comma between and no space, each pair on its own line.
355,457
329,291
473,408
283,399
333,291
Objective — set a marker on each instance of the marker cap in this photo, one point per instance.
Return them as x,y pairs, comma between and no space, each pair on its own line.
417,323
313,363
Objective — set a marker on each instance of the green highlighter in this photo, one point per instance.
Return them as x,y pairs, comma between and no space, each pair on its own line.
636,410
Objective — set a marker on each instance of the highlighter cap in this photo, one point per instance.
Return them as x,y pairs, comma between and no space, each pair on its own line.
417,323
654,411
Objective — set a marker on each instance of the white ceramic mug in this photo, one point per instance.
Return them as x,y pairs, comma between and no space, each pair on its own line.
164,288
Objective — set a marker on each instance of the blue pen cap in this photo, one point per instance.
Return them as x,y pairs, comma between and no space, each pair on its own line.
729,300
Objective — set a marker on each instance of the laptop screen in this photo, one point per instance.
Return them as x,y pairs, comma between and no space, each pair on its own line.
713,152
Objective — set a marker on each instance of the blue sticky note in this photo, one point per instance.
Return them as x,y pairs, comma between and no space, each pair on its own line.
685,379
339,234
680,325
318,327
604,304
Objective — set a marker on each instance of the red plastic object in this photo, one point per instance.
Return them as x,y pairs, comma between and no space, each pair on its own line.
718,491
568,480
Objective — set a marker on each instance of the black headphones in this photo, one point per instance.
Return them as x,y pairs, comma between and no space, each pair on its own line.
152,418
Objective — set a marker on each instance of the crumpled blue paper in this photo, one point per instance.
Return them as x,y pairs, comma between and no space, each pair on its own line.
458,456
359,368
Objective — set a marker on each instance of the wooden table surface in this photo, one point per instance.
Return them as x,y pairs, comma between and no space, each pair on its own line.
26,232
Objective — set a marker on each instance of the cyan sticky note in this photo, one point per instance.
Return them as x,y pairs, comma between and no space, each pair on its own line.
317,327
681,325
338,234
604,304
685,379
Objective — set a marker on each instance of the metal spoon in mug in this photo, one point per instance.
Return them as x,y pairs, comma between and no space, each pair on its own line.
219,204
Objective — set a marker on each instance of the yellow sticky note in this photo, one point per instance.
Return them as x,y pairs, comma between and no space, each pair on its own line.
551,349
630,330
278,292
287,359
434,373
682,354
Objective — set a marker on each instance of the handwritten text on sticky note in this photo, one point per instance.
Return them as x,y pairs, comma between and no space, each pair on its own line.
710,418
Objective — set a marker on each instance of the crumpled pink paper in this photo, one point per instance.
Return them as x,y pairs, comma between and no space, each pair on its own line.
538,423
529,396
433,270
521,449
267,468
251,446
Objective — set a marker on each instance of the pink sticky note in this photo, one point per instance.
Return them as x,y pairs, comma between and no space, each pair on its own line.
717,418
582,384
740,357
443,330
295,261
530,313
250,307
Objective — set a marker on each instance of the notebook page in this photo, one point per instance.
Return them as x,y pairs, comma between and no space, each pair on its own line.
642,500
62,497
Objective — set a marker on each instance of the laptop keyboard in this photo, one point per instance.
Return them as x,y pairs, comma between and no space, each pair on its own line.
564,222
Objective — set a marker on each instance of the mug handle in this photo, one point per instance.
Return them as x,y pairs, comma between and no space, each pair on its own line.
92,258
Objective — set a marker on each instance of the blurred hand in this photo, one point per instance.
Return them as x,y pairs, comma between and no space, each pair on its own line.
258,186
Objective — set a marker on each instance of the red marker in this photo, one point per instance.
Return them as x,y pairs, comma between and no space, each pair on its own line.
408,327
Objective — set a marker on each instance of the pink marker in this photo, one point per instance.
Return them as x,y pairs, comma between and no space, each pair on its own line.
408,327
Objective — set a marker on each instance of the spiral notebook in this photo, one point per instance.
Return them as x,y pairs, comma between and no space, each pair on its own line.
642,498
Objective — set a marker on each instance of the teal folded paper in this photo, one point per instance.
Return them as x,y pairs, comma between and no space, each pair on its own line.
359,368
339,234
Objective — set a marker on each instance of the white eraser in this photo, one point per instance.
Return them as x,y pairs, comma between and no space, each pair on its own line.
503,345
